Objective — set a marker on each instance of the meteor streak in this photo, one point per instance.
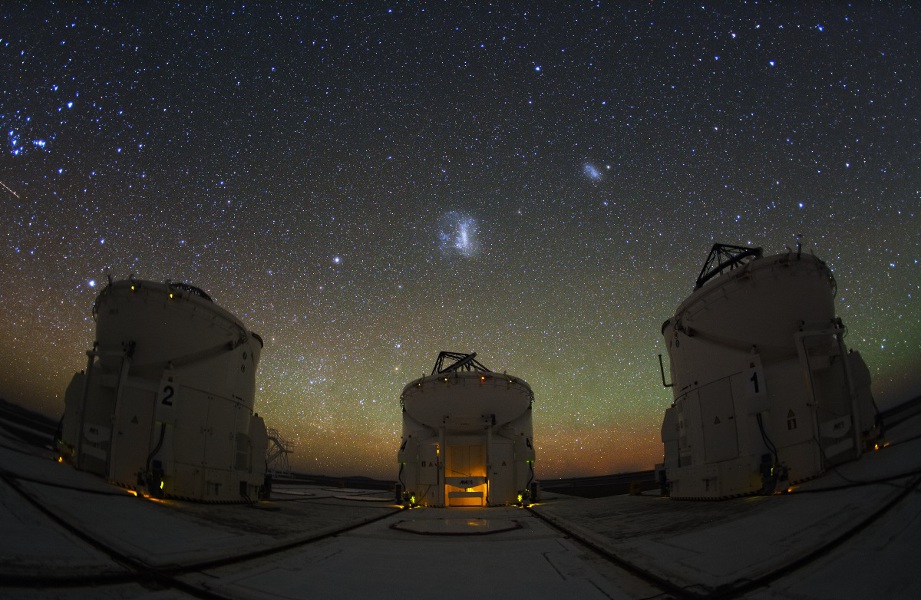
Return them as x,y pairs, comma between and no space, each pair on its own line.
7,188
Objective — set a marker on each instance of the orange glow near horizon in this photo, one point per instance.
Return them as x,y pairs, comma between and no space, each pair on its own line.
548,218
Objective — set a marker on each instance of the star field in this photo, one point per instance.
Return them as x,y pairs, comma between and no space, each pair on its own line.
367,184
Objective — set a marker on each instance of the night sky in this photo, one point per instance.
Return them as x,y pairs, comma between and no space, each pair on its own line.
366,184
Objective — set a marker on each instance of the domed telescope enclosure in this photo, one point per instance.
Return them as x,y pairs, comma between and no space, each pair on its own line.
766,393
165,405
467,437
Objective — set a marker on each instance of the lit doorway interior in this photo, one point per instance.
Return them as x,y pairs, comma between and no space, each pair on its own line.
465,475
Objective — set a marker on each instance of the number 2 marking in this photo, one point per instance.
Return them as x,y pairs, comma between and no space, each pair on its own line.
167,395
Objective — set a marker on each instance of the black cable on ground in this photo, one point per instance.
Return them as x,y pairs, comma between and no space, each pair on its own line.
663,584
141,573
736,589
793,566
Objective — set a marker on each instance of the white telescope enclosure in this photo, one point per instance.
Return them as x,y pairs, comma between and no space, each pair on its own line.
766,393
467,436
165,405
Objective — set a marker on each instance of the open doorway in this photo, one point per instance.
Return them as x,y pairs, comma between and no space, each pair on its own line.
465,475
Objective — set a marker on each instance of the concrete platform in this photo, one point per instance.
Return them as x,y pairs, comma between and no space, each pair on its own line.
67,534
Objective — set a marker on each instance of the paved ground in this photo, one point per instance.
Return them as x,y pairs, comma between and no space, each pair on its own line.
697,548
